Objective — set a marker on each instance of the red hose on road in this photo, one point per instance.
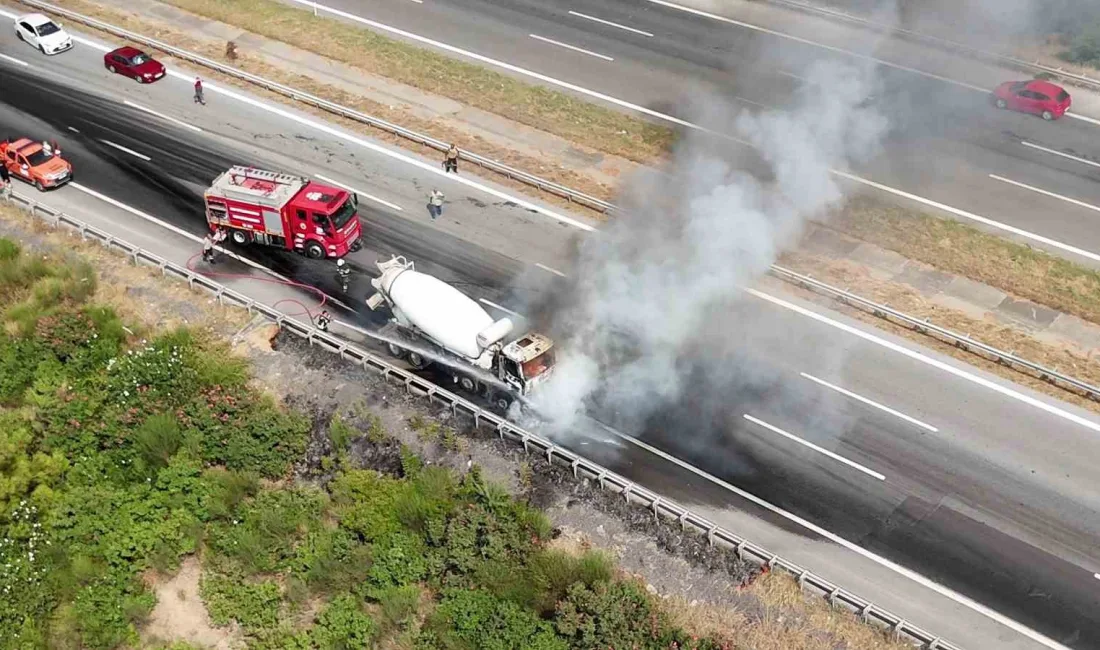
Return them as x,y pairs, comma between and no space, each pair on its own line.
288,283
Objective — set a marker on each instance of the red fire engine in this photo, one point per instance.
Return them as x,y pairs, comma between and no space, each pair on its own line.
291,212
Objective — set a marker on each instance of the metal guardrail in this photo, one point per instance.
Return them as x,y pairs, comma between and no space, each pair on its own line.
961,341
512,173
942,43
580,466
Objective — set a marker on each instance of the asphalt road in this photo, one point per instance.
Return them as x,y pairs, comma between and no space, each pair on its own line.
946,141
985,488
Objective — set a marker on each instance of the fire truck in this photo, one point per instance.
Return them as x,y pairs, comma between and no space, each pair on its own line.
291,212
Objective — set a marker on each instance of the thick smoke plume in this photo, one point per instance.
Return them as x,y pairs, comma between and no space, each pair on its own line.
693,236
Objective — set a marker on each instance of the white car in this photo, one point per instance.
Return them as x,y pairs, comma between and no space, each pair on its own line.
43,33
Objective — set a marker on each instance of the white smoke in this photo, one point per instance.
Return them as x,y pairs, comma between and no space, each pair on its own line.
692,237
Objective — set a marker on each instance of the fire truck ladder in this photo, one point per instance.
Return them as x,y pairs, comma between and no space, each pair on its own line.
239,173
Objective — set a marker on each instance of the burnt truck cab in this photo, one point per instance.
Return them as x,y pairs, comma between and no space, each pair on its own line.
526,362
283,210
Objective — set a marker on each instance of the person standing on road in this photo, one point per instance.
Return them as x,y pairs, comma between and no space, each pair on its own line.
208,249
5,182
343,273
198,92
450,161
435,204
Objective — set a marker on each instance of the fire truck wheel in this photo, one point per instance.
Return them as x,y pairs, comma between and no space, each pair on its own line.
395,350
416,360
314,251
241,237
468,384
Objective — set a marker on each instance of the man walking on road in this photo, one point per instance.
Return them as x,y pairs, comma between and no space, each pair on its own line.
198,92
5,182
435,204
450,162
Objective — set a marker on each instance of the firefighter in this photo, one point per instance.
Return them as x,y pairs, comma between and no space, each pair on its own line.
208,249
323,319
219,235
450,162
435,204
343,273
5,182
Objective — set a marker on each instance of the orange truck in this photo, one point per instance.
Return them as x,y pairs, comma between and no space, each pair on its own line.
285,211
30,161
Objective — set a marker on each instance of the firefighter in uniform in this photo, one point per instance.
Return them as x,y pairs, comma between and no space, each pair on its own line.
343,273
323,319
208,248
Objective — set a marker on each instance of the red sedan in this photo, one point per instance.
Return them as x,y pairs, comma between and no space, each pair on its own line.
1036,97
132,62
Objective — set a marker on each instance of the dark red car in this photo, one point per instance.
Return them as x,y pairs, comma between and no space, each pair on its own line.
132,62
1036,97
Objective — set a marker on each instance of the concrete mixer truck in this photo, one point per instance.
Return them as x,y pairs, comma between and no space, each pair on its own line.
434,323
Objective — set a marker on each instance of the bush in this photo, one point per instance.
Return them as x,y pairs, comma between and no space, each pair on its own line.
254,605
480,620
611,615
1084,46
331,561
245,431
263,540
554,572
343,625
157,440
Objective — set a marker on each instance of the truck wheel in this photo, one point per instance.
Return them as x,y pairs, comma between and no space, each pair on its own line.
395,350
417,360
1002,104
241,237
39,186
467,384
314,251
502,401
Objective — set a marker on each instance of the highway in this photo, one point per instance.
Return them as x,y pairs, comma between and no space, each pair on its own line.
863,449
948,145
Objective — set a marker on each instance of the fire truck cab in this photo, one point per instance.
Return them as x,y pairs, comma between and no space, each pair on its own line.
291,212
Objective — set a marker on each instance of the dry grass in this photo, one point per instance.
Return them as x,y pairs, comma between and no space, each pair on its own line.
138,295
467,83
958,248
906,299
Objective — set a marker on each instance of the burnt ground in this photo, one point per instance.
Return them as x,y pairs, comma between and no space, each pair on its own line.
670,561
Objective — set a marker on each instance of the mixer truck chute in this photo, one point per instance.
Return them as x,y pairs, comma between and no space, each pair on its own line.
435,322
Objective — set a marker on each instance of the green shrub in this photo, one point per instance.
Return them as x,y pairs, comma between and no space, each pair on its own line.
263,540
553,572
343,625
330,561
228,490
364,503
480,620
1084,46
398,605
24,473
158,439
245,431
254,605
398,560
611,615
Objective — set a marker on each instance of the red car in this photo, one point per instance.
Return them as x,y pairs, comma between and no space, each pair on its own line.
132,62
1036,97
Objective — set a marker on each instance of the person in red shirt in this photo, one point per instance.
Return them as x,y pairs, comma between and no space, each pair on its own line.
198,92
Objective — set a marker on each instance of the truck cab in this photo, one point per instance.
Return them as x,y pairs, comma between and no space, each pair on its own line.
324,217
526,362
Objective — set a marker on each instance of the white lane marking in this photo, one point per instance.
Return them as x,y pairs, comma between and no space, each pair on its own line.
608,22
851,546
1096,575
324,128
935,363
349,188
162,116
870,402
73,129
550,270
15,60
822,450
1044,192
804,41
570,47
790,74
126,150
500,64
1078,116
1060,153
502,308
973,217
